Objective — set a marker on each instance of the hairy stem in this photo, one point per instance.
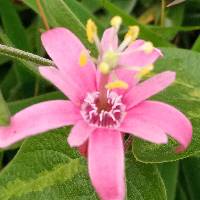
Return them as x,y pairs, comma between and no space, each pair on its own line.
26,56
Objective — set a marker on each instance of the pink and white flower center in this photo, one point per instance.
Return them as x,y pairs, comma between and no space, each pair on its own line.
108,115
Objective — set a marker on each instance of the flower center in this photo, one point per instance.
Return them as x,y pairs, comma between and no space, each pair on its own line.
108,115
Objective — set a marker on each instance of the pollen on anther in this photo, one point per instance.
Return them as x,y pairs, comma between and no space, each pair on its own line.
118,84
148,47
116,21
91,30
132,33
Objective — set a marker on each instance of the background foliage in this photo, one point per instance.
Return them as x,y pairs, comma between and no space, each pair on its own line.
44,167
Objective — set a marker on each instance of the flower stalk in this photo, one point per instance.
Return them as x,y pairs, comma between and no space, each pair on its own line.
26,56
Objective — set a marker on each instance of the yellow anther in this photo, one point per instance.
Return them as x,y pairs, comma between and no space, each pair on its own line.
116,85
91,30
144,71
83,58
116,21
104,68
148,47
132,33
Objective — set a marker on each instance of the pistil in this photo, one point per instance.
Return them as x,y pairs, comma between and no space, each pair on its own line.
102,90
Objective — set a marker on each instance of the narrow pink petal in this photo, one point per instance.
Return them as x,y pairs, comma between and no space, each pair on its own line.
38,118
126,76
65,50
67,86
168,118
109,40
79,134
133,57
148,88
143,129
106,164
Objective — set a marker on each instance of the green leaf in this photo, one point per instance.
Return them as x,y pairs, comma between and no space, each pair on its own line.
83,14
127,5
184,94
191,171
13,26
169,32
144,181
169,173
128,20
42,169
92,5
4,111
19,105
180,194
196,45
59,14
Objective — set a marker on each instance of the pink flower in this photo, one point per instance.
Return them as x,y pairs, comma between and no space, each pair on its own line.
101,117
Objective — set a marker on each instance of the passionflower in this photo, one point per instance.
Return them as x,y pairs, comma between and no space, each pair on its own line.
106,100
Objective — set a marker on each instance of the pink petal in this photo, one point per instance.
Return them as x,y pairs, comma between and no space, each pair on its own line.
65,50
168,118
67,86
133,57
143,129
79,134
109,40
106,164
148,88
38,118
126,76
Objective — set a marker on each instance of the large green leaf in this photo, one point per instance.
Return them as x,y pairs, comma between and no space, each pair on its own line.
169,173
183,94
144,181
191,171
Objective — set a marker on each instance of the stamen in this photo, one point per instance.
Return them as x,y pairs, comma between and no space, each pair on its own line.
132,33
83,58
119,84
144,71
130,37
104,68
91,30
116,22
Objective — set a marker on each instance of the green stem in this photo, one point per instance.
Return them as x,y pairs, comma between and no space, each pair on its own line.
26,56
162,17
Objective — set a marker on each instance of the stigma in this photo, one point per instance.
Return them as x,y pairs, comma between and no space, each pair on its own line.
110,115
